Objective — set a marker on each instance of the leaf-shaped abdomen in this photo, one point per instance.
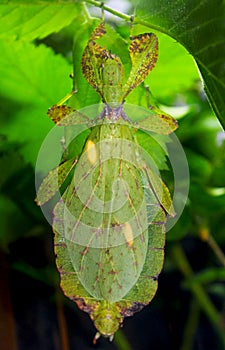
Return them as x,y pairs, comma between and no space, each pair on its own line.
105,215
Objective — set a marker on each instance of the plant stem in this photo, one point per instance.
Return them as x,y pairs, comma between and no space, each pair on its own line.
109,9
216,249
199,292
121,341
63,333
190,327
86,13
204,233
116,13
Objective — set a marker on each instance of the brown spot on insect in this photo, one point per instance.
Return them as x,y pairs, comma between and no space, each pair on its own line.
136,306
121,168
142,238
68,273
98,231
117,226
60,269
82,305
89,201
85,251
96,282
57,112
155,278
60,245
135,47
159,249
159,222
137,183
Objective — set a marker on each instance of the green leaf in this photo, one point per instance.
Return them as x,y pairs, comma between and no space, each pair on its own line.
32,20
175,71
208,276
199,27
28,73
30,85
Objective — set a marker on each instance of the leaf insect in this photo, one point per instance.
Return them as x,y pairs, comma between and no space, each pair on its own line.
109,224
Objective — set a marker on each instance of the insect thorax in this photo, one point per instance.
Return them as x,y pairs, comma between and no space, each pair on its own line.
113,112
112,80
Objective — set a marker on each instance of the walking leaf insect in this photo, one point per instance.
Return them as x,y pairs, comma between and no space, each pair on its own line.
110,222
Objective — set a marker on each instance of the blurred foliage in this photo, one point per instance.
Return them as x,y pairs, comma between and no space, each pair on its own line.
40,42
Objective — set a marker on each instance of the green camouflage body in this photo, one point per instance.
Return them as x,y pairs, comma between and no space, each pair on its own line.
109,224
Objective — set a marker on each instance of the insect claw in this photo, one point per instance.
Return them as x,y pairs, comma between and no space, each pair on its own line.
111,337
96,337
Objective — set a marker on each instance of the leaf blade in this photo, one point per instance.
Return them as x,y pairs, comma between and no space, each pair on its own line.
199,27
36,20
